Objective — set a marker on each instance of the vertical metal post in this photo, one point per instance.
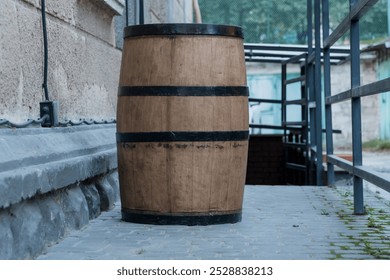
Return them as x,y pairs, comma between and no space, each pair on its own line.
284,112
305,118
318,95
327,92
284,97
310,83
356,114
141,12
127,12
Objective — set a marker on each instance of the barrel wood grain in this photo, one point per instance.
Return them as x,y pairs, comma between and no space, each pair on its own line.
182,178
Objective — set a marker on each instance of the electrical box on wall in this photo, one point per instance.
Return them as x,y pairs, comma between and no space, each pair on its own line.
49,108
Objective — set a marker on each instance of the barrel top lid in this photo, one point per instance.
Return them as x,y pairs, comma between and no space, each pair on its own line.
172,29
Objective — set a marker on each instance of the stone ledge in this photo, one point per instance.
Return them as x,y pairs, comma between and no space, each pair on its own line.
38,161
53,181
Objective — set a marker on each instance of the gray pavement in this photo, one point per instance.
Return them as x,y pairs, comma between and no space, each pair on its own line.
279,222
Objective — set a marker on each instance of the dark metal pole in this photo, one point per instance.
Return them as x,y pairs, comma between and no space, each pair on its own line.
141,12
127,12
45,51
318,94
356,114
327,92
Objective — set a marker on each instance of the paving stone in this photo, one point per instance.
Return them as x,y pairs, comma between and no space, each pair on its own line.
283,222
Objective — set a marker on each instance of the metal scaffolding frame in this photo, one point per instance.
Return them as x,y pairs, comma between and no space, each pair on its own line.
351,22
318,56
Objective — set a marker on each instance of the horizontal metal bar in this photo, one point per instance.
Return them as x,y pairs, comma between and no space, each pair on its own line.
292,57
340,97
275,47
302,101
295,166
289,48
379,179
276,127
340,162
266,126
295,59
252,125
334,131
256,53
281,60
295,80
371,89
294,145
356,13
260,100
366,90
264,60
303,123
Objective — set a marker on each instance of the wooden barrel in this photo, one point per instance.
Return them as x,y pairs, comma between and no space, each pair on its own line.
182,124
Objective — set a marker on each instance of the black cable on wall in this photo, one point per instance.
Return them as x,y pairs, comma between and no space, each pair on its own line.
45,51
49,109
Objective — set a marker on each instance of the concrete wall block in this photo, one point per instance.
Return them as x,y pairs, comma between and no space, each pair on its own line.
93,200
6,237
107,194
168,11
84,74
20,56
28,227
26,222
53,225
113,179
95,19
75,208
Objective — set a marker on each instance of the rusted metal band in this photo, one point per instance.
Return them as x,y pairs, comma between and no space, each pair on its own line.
183,91
183,29
182,136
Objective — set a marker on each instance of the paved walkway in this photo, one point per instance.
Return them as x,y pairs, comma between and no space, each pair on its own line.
279,222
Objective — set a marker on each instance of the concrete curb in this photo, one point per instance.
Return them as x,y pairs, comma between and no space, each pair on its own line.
37,161
53,181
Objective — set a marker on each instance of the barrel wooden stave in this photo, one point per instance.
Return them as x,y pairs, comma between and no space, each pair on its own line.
183,61
192,182
175,177
171,113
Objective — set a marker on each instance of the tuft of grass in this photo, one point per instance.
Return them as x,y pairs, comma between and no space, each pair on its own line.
377,145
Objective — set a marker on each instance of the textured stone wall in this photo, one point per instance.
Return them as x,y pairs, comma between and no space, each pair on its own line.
342,118
168,11
83,67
